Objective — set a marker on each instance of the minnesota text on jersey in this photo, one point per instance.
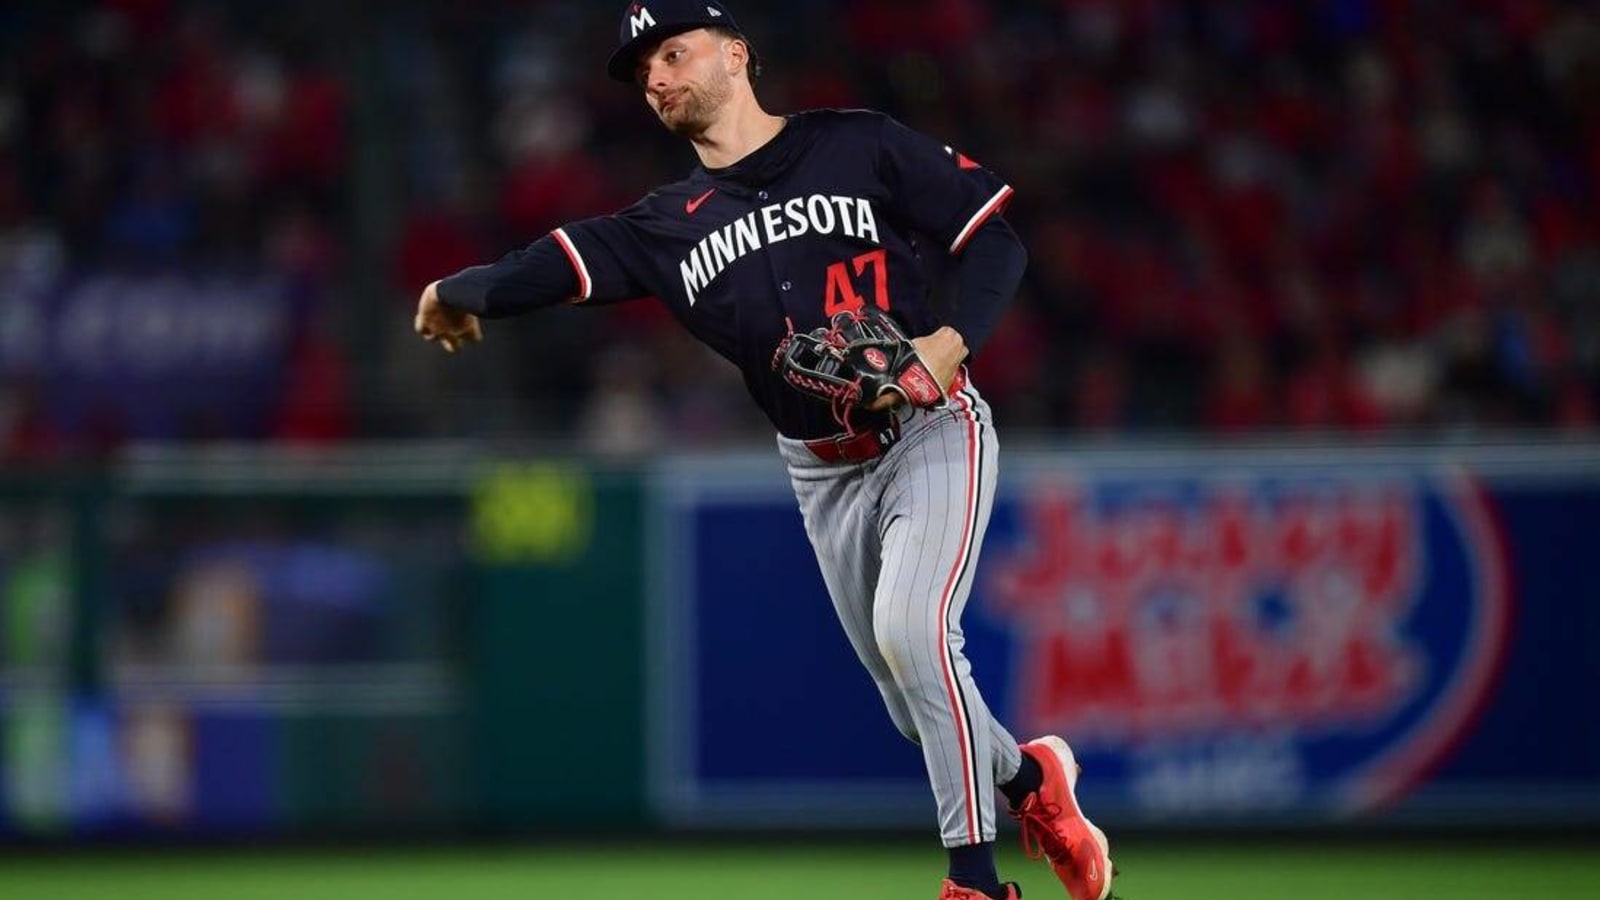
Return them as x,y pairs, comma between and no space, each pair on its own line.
778,222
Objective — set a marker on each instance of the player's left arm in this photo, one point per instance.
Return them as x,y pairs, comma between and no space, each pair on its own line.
989,273
959,203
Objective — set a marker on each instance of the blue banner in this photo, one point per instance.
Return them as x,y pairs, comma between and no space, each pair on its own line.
1305,636
150,355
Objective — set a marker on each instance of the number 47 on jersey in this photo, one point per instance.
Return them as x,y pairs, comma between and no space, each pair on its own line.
843,277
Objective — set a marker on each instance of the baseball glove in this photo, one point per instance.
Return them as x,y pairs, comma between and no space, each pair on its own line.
854,361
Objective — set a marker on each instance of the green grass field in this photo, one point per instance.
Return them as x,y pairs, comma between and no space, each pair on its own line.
1151,871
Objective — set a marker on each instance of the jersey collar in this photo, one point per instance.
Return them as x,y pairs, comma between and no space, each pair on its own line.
764,164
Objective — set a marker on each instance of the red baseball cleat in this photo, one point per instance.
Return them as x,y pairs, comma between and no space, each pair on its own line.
953,891
1053,826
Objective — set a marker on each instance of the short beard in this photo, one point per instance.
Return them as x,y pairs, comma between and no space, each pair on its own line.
699,106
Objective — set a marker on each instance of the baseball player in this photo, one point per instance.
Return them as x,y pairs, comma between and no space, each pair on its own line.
793,251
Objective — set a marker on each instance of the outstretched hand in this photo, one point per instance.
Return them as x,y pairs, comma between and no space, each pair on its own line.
452,328
942,352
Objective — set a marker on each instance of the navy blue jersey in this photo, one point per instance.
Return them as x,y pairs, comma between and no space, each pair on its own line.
829,215
822,218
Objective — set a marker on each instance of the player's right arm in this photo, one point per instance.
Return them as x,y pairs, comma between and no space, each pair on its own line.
588,261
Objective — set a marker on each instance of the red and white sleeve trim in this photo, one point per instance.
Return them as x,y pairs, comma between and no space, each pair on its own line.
978,218
585,284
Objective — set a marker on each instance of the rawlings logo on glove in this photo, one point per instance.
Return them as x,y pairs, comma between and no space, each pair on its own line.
854,361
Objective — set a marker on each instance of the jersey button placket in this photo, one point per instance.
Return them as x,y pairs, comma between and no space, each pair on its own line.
775,264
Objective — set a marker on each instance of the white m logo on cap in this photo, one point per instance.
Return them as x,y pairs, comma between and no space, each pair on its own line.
641,21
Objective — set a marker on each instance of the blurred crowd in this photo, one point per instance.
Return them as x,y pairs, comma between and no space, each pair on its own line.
1243,215
150,141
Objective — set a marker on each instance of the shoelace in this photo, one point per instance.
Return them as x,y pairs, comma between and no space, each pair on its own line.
1038,838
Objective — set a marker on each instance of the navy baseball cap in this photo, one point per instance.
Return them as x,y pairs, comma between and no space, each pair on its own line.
646,22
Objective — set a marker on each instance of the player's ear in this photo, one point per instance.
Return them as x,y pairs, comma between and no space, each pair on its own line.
737,54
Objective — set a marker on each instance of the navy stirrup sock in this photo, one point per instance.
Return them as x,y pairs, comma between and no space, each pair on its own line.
972,866
1027,780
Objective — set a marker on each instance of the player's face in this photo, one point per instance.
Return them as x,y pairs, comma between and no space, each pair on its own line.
686,81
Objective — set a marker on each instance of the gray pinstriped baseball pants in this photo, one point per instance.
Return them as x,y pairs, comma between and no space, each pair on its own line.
897,539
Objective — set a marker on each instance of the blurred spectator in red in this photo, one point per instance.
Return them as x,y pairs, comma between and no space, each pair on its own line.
1246,215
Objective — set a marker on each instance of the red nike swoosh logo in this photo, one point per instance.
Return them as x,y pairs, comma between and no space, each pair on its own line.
694,204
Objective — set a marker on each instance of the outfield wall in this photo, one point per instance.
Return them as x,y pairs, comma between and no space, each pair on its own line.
1295,636
245,643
